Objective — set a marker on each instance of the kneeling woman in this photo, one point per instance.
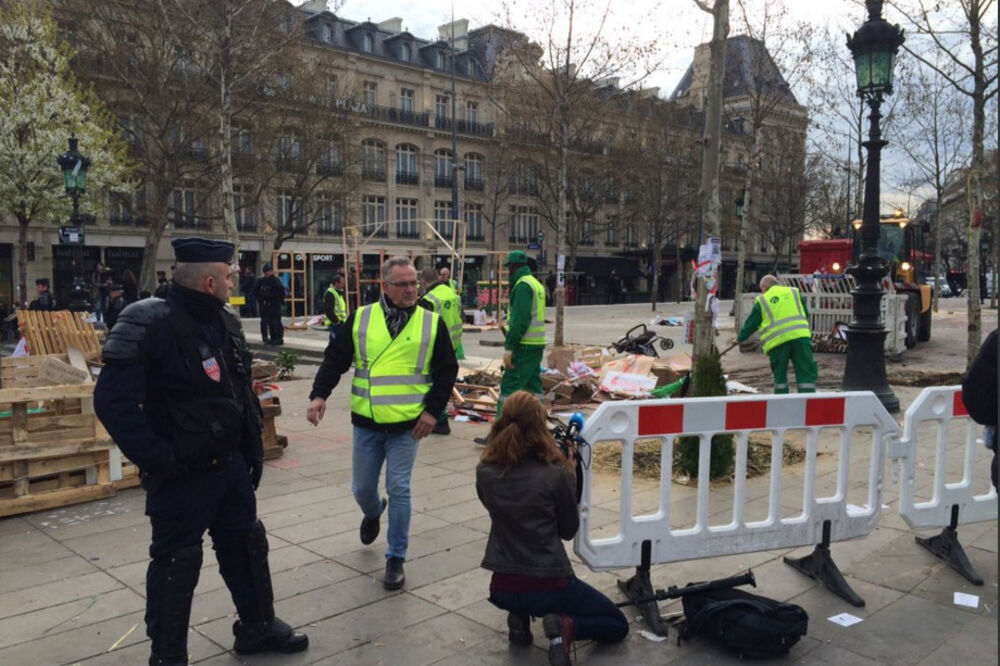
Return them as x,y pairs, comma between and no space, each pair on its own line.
529,489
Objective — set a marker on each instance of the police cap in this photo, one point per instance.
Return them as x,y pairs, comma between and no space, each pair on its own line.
195,250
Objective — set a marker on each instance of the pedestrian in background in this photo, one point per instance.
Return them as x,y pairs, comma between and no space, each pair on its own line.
404,371
248,283
525,342
780,314
176,394
115,305
979,393
441,299
334,304
270,295
43,299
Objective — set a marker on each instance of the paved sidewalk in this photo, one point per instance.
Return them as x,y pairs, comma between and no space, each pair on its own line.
72,580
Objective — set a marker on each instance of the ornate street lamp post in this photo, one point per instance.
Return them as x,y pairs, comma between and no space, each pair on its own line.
74,166
874,47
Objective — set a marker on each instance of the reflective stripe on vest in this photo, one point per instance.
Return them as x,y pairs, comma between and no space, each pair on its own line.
535,334
446,304
782,317
392,375
339,307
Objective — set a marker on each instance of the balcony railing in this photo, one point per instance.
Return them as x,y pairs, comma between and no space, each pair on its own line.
328,229
189,222
444,182
376,175
474,184
329,170
391,114
464,126
407,178
128,221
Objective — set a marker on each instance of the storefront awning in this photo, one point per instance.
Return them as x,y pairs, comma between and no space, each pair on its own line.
602,266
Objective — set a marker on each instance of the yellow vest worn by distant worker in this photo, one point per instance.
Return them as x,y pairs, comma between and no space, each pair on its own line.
782,317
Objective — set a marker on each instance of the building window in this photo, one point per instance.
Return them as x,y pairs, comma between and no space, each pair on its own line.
406,219
288,212
472,112
473,171
328,33
524,180
330,163
406,165
587,232
441,60
631,235
331,87
611,232
288,148
329,215
443,220
444,168
441,106
367,42
523,224
128,208
183,209
243,208
369,93
373,160
474,222
373,215
406,100
405,52
242,144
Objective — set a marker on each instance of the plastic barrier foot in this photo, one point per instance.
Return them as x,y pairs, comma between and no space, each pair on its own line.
820,566
639,587
947,547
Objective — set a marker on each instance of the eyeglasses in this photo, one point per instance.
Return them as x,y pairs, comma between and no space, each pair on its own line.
412,284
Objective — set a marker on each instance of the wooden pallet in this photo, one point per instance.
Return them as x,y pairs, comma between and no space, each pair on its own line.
274,444
23,371
45,483
481,398
53,332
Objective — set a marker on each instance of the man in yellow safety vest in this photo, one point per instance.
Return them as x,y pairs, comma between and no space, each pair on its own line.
334,304
525,343
442,299
444,274
404,371
783,320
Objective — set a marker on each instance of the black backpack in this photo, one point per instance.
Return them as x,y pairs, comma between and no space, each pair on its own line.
751,625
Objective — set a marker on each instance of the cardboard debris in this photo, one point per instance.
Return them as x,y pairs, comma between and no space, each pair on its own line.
671,368
58,373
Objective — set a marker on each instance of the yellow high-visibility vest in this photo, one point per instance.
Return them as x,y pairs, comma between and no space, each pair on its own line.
535,335
446,304
392,375
782,317
339,306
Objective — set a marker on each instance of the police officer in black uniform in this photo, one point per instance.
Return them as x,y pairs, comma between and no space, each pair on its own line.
44,300
176,395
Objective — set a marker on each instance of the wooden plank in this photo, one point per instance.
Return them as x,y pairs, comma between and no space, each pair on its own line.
54,498
11,395
63,448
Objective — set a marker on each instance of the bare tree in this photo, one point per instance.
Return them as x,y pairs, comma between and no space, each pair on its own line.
785,190
828,196
148,81
963,33
557,80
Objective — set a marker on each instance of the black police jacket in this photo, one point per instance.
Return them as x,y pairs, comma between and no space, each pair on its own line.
176,387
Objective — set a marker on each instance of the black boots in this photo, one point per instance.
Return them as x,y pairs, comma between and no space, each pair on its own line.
559,631
394,576
370,526
519,627
170,583
271,636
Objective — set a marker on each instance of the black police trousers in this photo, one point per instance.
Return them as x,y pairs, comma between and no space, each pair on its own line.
220,500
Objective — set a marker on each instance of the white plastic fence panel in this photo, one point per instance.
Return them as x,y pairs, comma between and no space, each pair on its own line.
939,406
667,419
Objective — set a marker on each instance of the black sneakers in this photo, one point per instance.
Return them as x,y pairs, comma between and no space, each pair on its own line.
394,576
273,636
559,631
370,526
519,627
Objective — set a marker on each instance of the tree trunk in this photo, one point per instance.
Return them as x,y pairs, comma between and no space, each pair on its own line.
741,251
657,265
975,185
679,270
157,225
710,206
22,260
225,142
561,220
937,248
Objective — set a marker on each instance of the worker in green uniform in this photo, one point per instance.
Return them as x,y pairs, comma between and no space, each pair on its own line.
334,304
525,342
444,275
783,320
440,298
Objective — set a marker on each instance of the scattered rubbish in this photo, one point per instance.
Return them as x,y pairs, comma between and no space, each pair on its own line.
660,320
969,600
845,619
650,636
122,639
739,387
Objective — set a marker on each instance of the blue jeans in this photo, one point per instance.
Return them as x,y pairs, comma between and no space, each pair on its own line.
595,617
398,450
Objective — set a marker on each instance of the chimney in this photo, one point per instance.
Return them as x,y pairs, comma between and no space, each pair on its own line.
392,26
461,28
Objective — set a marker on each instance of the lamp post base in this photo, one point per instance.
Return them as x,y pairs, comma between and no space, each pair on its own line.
865,368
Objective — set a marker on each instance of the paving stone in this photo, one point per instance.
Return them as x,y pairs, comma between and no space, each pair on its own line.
446,563
457,591
943,582
114,547
59,592
31,575
199,649
28,546
445,498
463,513
967,645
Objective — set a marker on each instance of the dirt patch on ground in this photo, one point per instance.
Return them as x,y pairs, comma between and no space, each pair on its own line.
920,378
646,459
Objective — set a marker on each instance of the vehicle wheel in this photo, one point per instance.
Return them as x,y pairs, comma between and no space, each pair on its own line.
912,319
925,326
666,343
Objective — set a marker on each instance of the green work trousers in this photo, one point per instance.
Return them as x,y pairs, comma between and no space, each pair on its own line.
800,353
460,351
524,376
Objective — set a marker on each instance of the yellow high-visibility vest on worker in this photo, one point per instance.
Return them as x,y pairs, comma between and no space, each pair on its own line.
339,307
391,375
781,316
525,343
446,304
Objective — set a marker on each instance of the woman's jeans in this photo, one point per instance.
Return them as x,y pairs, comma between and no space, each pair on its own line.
595,617
398,450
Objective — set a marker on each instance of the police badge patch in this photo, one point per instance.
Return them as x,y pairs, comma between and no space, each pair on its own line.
212,369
